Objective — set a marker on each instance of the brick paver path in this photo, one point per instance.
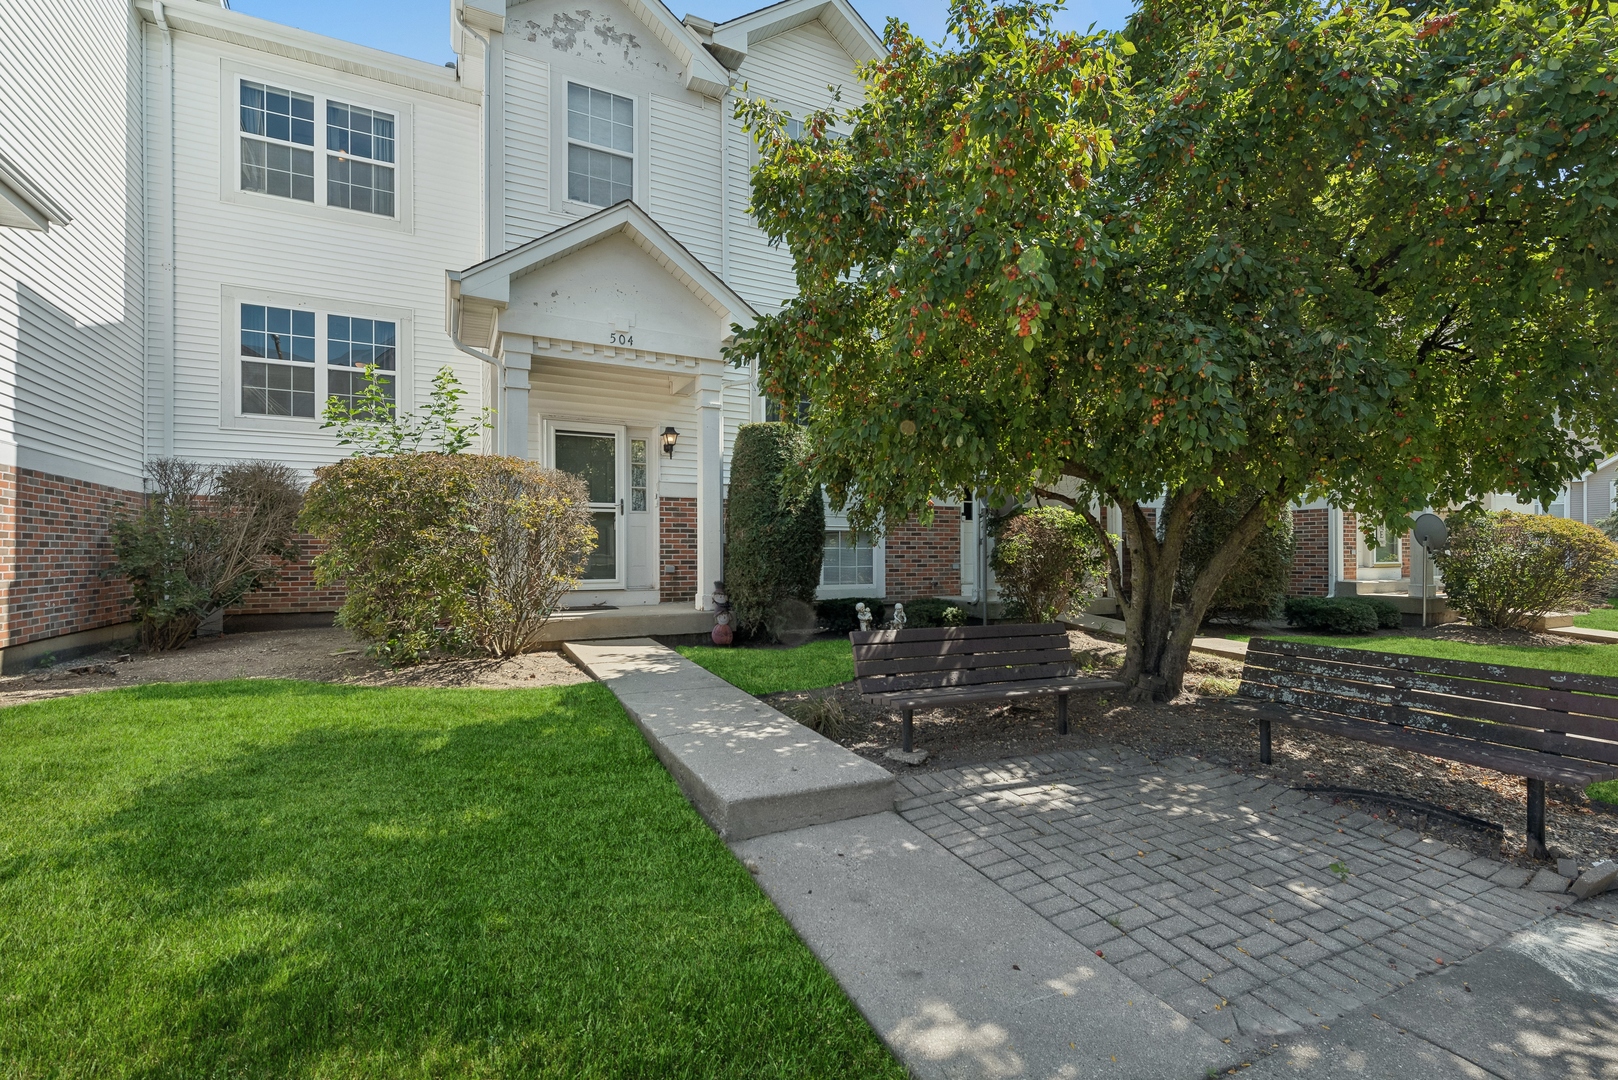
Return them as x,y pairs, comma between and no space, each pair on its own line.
1224,895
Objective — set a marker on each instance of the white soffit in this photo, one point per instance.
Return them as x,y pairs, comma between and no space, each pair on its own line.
23,203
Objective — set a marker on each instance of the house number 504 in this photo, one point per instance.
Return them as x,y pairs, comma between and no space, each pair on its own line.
618,337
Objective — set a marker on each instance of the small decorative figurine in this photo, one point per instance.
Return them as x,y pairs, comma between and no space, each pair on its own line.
864,615
722,633
898,616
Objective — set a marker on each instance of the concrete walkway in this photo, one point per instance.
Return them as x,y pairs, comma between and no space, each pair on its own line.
1096,914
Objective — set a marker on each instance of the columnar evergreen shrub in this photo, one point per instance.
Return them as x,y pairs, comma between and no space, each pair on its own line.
1505,569
1045,559
1343,614
205,537
775,528
1254,588
448,551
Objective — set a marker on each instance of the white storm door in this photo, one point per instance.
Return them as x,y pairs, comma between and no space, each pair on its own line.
596,455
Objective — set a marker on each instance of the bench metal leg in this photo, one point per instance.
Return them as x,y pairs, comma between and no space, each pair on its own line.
1264,742
1536,819
1061,714
909,715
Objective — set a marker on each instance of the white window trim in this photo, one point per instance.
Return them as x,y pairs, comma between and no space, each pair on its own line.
231,299
637,157
359,95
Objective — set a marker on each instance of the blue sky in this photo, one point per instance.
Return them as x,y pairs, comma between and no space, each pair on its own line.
420,28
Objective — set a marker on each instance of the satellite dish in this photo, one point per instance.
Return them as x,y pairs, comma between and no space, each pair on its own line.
1431,532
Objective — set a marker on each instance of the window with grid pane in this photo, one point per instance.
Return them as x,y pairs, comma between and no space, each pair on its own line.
276,126
352,345
848,559
278,361
359,168
601,145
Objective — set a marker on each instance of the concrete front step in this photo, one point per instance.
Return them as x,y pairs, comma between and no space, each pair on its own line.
637,621
748,769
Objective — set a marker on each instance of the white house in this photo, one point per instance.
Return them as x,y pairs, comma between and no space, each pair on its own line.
210,222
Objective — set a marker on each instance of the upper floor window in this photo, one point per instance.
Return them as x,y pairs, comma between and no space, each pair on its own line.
283,123
601,146
359,173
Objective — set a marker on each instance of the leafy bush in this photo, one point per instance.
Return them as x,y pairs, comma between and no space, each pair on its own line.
206,537
1255,587
775,528
1045,559
446,551
931,611
1342,614
838,617
372,425
1505,569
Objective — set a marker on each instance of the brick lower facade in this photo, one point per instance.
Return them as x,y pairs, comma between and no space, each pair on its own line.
1351,548
1311,553
676,550
294,590
924,560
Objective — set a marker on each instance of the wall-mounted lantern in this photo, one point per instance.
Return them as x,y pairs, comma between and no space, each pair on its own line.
670,437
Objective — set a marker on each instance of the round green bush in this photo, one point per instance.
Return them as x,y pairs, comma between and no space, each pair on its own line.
1505,569
1256,585
775,528
1045,559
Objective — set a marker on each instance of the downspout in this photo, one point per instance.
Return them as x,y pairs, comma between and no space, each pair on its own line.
166,383
455,315
498,366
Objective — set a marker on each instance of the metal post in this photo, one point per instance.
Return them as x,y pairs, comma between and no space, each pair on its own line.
1536,819
1264,742
908,714
1061,714
1427,581
983,557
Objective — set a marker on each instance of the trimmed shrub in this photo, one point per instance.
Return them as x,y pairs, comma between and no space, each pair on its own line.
1505,569
775,528
1335,614
447,551
1255,587
1045,560
837,615
931,611
206,537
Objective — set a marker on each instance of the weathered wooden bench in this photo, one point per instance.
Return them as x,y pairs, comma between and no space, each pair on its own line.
918,669
1541,725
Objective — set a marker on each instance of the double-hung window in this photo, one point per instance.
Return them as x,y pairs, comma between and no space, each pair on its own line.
352,345
278,138
359,166
601,146
281,350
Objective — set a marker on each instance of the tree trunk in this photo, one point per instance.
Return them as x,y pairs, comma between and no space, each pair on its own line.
1158,631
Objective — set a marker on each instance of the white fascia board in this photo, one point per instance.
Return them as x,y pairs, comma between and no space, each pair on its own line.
23,203
261,35
491,279
842,22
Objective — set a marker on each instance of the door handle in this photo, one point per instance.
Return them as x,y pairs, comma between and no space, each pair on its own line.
620,506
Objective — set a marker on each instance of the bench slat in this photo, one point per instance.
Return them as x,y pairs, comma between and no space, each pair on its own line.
1474,708
1501,759
1009,677
1368,708
964,646
1601,685
955,633
965,694
1533,697
915,665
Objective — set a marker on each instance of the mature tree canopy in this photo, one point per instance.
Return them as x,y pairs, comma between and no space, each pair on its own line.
1315,249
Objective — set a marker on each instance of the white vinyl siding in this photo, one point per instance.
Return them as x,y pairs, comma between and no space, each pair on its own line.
683,188
527,150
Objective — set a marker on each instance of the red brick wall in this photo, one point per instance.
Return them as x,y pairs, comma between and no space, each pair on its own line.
925,560
295,589
1351,546
54,543
676,550
1311,553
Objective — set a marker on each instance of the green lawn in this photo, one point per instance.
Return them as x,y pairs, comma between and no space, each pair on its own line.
280,879
1605,618
823,662
1582,658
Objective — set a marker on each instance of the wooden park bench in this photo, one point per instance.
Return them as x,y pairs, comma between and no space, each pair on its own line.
1542,725
952,665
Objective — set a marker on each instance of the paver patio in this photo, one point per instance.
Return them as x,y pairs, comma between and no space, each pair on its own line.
1216,891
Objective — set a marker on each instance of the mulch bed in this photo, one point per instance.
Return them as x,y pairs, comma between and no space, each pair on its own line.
1200,724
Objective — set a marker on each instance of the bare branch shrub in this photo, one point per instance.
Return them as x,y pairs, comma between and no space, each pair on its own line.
206,537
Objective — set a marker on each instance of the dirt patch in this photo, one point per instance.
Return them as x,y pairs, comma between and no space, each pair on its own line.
1200,723
329,654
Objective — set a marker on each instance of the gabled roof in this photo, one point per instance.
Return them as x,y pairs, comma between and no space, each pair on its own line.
841,21
491,279
23,203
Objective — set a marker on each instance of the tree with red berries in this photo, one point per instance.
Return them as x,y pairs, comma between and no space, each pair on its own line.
1312,249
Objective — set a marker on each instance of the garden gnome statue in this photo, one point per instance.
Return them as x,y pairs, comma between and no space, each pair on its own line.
722,633
898,616
863,613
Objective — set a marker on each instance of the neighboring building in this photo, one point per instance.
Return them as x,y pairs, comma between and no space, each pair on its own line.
209,222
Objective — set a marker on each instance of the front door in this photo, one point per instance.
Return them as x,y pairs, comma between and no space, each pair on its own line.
595,455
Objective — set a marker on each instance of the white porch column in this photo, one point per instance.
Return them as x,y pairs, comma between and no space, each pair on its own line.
1334,549
710,485
513,419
